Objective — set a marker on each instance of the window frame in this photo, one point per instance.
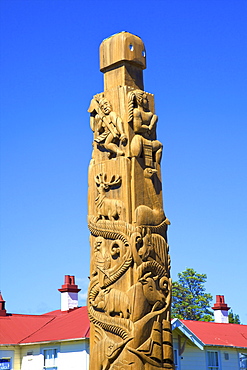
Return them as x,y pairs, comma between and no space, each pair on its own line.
211,366
55,349
9,360
240,354
177,357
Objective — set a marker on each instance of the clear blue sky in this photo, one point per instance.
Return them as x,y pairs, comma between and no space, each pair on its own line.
196,59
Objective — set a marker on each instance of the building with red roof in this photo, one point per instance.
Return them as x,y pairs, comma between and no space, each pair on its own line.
59,340
209,345
55,340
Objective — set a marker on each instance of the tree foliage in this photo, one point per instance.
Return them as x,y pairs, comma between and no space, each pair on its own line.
189,300
233,318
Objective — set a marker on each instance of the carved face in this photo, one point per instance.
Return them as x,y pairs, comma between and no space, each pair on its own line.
105,106
144,101
98,243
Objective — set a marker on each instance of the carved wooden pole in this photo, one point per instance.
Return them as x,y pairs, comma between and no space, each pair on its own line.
130,287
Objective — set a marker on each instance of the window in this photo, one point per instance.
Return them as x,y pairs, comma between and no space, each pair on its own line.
50,359
175,355
226,356
213,360
5,364
243,361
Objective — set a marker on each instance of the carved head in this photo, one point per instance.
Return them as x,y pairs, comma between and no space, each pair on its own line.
99,242
141,98
153,294
105,106
136,98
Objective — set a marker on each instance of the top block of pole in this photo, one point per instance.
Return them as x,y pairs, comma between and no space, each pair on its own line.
122,60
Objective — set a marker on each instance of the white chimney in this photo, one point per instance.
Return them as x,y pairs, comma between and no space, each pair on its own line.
69,294
221,310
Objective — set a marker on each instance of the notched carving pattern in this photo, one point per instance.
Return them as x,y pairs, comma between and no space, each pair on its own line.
129,292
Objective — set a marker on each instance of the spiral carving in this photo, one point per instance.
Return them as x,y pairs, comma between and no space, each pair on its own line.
120,327
153,266
110,230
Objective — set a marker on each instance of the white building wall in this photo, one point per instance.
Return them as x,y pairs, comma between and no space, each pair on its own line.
232,363
195,359
74,355
192,359
34,361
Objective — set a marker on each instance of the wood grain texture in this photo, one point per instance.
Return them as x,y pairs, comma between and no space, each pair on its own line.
130,286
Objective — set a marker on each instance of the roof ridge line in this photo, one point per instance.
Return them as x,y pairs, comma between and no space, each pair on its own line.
48,322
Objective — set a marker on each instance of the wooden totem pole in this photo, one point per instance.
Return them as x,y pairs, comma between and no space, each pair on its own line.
130,287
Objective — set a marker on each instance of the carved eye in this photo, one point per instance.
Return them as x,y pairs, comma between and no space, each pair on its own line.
151,288
131,47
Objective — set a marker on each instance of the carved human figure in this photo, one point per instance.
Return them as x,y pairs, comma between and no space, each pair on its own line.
144,126
129,293
102,260
108,127
147,249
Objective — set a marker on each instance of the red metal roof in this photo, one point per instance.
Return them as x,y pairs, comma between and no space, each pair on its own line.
56,325
218,334
13,328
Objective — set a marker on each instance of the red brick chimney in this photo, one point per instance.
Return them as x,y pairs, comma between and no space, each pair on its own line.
221,310
3,312
69,293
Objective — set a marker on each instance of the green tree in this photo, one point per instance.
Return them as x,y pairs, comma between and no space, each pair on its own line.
189,300
233,318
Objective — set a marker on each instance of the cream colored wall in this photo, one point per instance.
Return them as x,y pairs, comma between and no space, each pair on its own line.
12,352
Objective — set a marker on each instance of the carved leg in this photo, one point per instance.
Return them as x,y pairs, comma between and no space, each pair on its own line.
157,149
136,146
111,147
